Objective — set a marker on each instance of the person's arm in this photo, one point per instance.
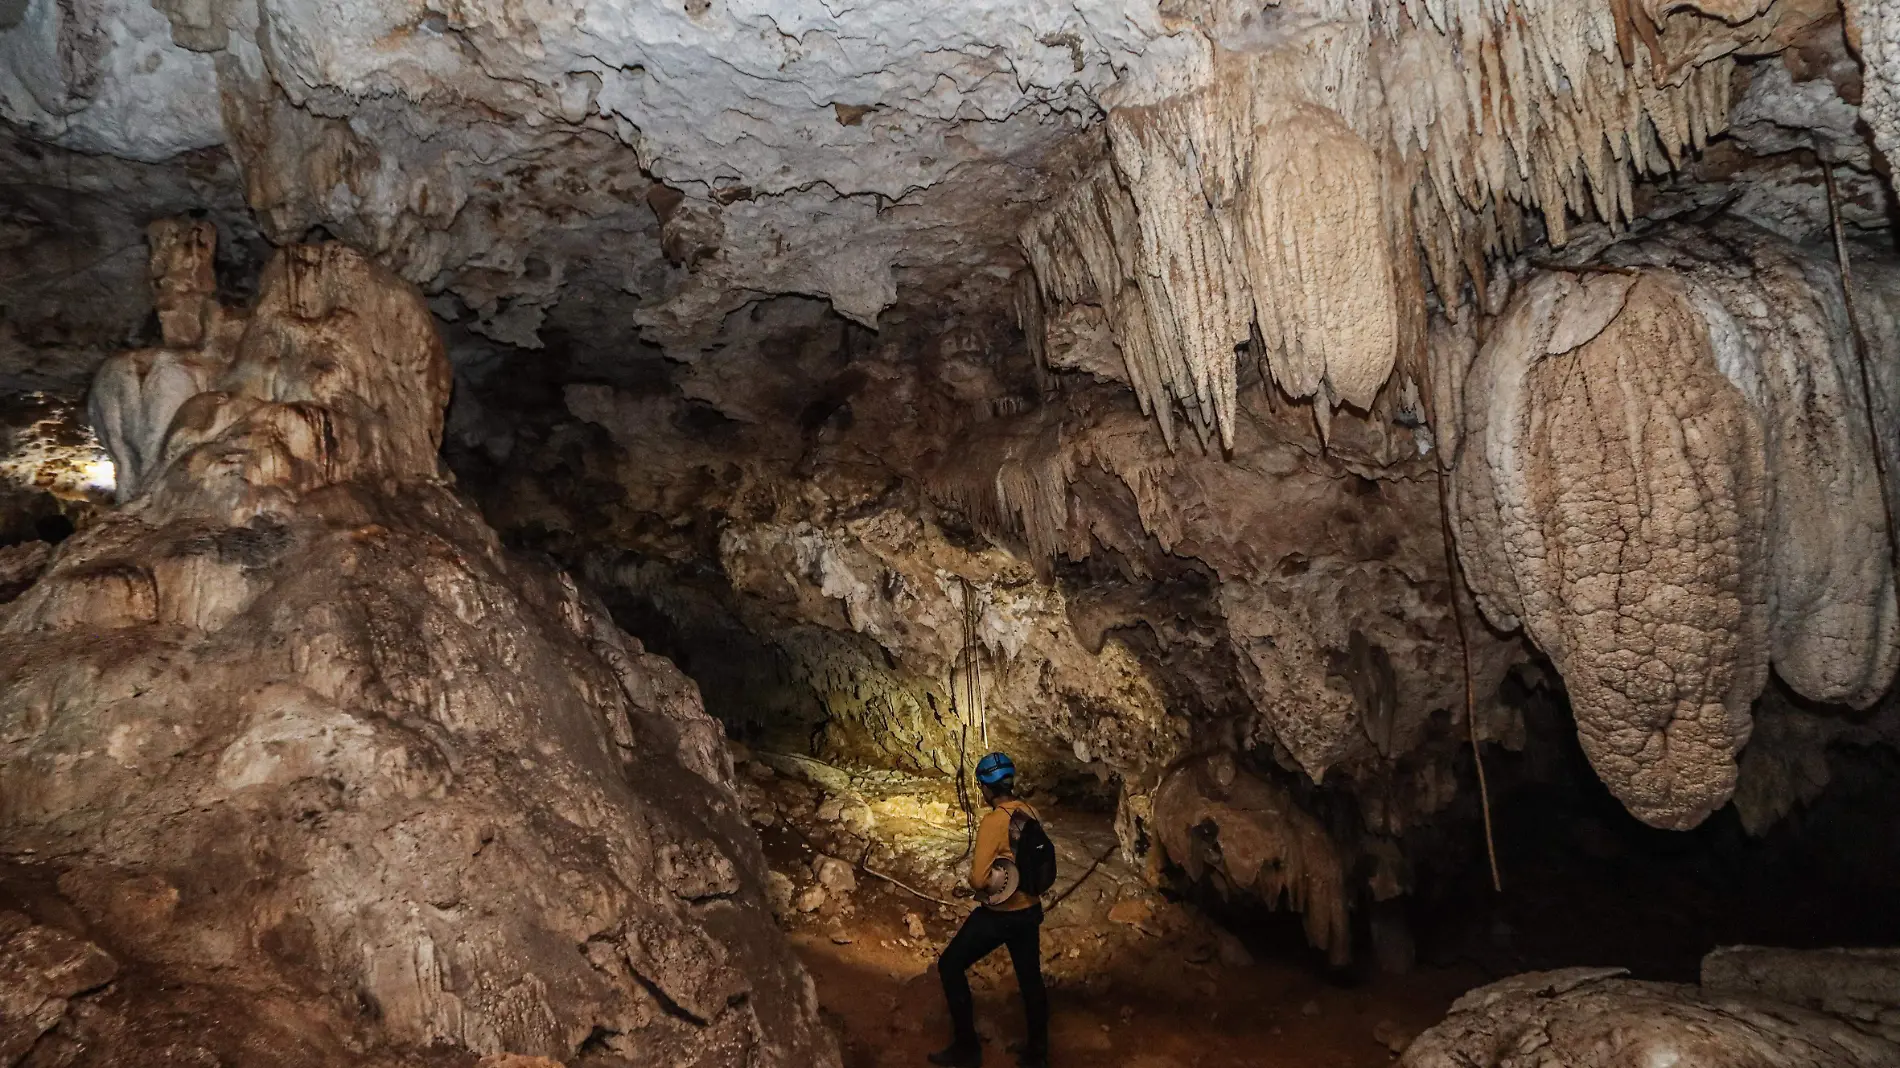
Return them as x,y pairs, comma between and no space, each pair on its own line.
990,836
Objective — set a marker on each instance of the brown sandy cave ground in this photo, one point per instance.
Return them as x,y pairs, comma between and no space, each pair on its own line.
1136,978
516,521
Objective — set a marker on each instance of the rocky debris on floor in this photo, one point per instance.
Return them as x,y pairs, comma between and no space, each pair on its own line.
41,969
1599,1018
1393,1036
812,898
834,875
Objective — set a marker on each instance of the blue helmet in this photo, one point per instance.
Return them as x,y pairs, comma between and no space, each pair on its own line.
995,768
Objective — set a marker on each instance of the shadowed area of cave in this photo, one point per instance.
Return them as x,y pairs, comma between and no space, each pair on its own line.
518,523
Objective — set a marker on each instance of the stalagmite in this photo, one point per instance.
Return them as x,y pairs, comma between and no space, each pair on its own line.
136,394
290,725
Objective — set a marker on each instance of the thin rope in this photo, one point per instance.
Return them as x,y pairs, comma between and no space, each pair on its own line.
1453,576
1859,341
1471,717
966,710
1077,885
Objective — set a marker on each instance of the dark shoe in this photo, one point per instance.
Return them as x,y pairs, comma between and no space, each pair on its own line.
957,1057
1032,1060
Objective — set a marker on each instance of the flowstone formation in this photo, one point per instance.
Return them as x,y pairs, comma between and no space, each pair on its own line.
290,727
1669,480
1754,1008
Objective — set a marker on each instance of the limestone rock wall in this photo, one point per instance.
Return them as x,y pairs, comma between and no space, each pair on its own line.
1215,819
290,721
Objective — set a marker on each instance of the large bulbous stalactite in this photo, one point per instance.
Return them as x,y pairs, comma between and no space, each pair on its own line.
1667,478
295,697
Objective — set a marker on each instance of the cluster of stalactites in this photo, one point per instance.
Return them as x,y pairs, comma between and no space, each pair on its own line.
1293,205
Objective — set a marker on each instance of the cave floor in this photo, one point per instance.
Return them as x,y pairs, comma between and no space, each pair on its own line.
1151,1005
1136,980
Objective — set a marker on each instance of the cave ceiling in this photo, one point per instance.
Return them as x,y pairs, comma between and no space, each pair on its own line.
623,177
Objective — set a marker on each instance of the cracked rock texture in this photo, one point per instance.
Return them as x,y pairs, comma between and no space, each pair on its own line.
1593,1018
1667,478
290,722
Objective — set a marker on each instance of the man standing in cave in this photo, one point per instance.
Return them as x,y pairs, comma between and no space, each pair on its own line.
1012,918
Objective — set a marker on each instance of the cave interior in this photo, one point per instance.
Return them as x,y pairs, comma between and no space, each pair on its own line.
518,522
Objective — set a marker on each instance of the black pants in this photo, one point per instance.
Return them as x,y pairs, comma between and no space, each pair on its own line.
982,933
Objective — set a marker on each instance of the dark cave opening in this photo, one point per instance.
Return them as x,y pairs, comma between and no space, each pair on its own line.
1587,883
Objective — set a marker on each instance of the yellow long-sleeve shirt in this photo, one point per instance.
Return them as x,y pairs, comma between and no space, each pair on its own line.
992,842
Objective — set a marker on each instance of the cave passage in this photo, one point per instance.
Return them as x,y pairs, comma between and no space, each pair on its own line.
565,535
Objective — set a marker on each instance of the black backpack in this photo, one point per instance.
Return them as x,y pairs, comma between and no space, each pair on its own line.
1035,855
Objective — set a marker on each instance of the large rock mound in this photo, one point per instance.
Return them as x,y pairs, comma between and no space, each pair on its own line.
291,722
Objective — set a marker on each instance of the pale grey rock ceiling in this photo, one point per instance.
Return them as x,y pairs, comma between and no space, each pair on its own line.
675,161
496,156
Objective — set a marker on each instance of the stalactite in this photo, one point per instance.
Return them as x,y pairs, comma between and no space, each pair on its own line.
1667,478
1319,258
1292,194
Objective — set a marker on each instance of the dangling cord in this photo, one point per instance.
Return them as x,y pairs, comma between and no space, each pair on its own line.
966,713
973,646
1453,576
1859,341
1471,715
